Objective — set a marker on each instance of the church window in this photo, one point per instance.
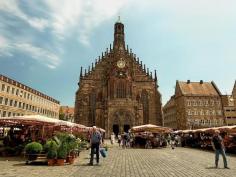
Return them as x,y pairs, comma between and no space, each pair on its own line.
121,90
145,101
92,108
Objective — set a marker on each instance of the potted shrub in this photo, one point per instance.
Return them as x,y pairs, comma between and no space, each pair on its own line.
32,149
71,148
51,149
61,153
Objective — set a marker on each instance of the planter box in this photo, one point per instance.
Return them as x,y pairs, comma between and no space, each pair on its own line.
60,162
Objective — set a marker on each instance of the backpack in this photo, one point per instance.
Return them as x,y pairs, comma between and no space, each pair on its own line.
95,137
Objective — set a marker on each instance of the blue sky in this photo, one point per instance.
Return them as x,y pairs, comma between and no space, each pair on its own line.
43,43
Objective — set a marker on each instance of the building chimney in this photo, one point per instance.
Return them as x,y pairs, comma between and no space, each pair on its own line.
188,81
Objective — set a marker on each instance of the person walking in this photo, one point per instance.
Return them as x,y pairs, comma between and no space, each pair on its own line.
218,146
172,141
95,141
112,138
119,139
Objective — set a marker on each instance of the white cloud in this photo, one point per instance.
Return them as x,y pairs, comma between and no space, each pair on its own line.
12,7
81,17
43,56
4,47
40,54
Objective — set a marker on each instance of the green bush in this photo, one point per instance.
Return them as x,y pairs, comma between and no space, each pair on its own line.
51,148
62,151
33,148
49,145
71,143
52,154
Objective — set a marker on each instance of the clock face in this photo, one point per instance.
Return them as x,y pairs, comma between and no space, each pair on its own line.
121,63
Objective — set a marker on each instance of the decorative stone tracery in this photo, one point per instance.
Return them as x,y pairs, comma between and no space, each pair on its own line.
118,90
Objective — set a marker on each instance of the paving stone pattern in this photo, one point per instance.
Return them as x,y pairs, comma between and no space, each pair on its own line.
181,162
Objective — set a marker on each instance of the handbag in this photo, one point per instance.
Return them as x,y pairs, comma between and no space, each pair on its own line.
103,152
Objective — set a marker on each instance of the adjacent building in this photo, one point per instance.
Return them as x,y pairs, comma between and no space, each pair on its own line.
229,109
197,105
17,99
169,114
66,113
118,91
234,93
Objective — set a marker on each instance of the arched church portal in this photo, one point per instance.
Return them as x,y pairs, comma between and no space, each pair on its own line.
122,121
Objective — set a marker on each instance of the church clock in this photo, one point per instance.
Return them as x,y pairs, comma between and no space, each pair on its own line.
121,63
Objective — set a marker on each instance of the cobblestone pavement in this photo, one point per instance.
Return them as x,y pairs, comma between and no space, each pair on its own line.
181,162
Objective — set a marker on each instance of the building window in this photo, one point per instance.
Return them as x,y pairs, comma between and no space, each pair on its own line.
188,103
4,114
1,100
13,114
23,106
201,112
12,90
121,90
17,92
3,87
189,112
15,104
19,105
212,103
11,102
8,89
21,93
213,112
198,102
9,114
6,101
192,103
24,94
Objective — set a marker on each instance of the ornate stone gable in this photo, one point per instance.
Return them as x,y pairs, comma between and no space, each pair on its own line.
117,90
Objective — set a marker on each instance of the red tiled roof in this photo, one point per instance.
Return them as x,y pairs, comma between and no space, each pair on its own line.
67,110
197,88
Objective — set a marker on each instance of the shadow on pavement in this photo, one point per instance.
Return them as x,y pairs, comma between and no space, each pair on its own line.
213,167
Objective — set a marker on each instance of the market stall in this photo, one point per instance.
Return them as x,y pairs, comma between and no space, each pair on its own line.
19,130
201,138
149,136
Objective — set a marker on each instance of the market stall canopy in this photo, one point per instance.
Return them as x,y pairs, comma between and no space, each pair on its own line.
27,120
209,130
99,129
151,128
37,120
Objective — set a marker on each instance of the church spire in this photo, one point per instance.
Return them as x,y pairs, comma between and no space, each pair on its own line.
119,36
81,72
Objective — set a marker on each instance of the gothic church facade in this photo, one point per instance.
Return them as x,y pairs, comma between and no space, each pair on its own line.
118,92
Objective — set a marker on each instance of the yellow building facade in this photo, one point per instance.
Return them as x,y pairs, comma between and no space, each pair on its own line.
17,99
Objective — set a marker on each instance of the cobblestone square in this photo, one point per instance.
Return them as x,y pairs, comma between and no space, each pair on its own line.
180,162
